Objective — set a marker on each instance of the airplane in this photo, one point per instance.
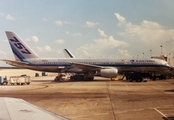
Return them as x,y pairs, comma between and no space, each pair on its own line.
18,109
89,67
129,75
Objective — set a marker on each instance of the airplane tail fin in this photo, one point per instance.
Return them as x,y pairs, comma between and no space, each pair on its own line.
20,49
68,54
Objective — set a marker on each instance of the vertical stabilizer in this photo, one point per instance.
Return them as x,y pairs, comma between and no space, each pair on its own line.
68,54
20,49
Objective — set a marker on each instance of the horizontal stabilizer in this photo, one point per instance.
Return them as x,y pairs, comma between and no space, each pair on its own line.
15,63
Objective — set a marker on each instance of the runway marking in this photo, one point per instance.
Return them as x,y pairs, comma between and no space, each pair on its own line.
68,104
82,104
167,106
96,104
161,113
122,112
169,114
80,116
110,101
101,114
138,109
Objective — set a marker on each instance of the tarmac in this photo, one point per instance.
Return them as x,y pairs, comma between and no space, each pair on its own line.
101,99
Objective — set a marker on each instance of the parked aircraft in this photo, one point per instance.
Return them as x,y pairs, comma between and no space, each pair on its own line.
27,58
18,109
131,75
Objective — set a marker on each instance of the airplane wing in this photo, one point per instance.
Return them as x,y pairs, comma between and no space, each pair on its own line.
18,109
87,66
14,63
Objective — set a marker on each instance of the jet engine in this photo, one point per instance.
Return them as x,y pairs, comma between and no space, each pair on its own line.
109,73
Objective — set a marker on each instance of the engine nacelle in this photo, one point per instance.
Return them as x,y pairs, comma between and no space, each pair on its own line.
109,73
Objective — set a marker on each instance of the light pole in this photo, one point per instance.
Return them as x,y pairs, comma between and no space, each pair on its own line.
161,49
169,58
150,53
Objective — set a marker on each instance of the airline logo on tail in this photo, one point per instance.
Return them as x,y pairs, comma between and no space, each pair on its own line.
20,46
68,54
20,49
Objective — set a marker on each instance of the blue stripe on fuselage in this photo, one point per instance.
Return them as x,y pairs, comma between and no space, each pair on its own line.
104,65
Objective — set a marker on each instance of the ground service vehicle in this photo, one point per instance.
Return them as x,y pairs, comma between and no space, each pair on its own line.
3,81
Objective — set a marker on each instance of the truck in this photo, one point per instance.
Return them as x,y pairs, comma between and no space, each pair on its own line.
19,80
138,76
3,81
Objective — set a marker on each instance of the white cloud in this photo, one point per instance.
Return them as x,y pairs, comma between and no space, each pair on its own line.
5,40
44,49
68,23
47,48
45,20
39,49
2,52
106,47
102,33
9,17
147,33
125,53
109,42
2,14
60,41
102,48
59,23
120,18
32,39
90,24
73,34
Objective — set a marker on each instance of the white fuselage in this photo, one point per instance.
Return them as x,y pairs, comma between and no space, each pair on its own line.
123,65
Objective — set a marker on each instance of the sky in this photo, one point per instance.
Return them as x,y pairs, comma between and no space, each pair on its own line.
121,29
